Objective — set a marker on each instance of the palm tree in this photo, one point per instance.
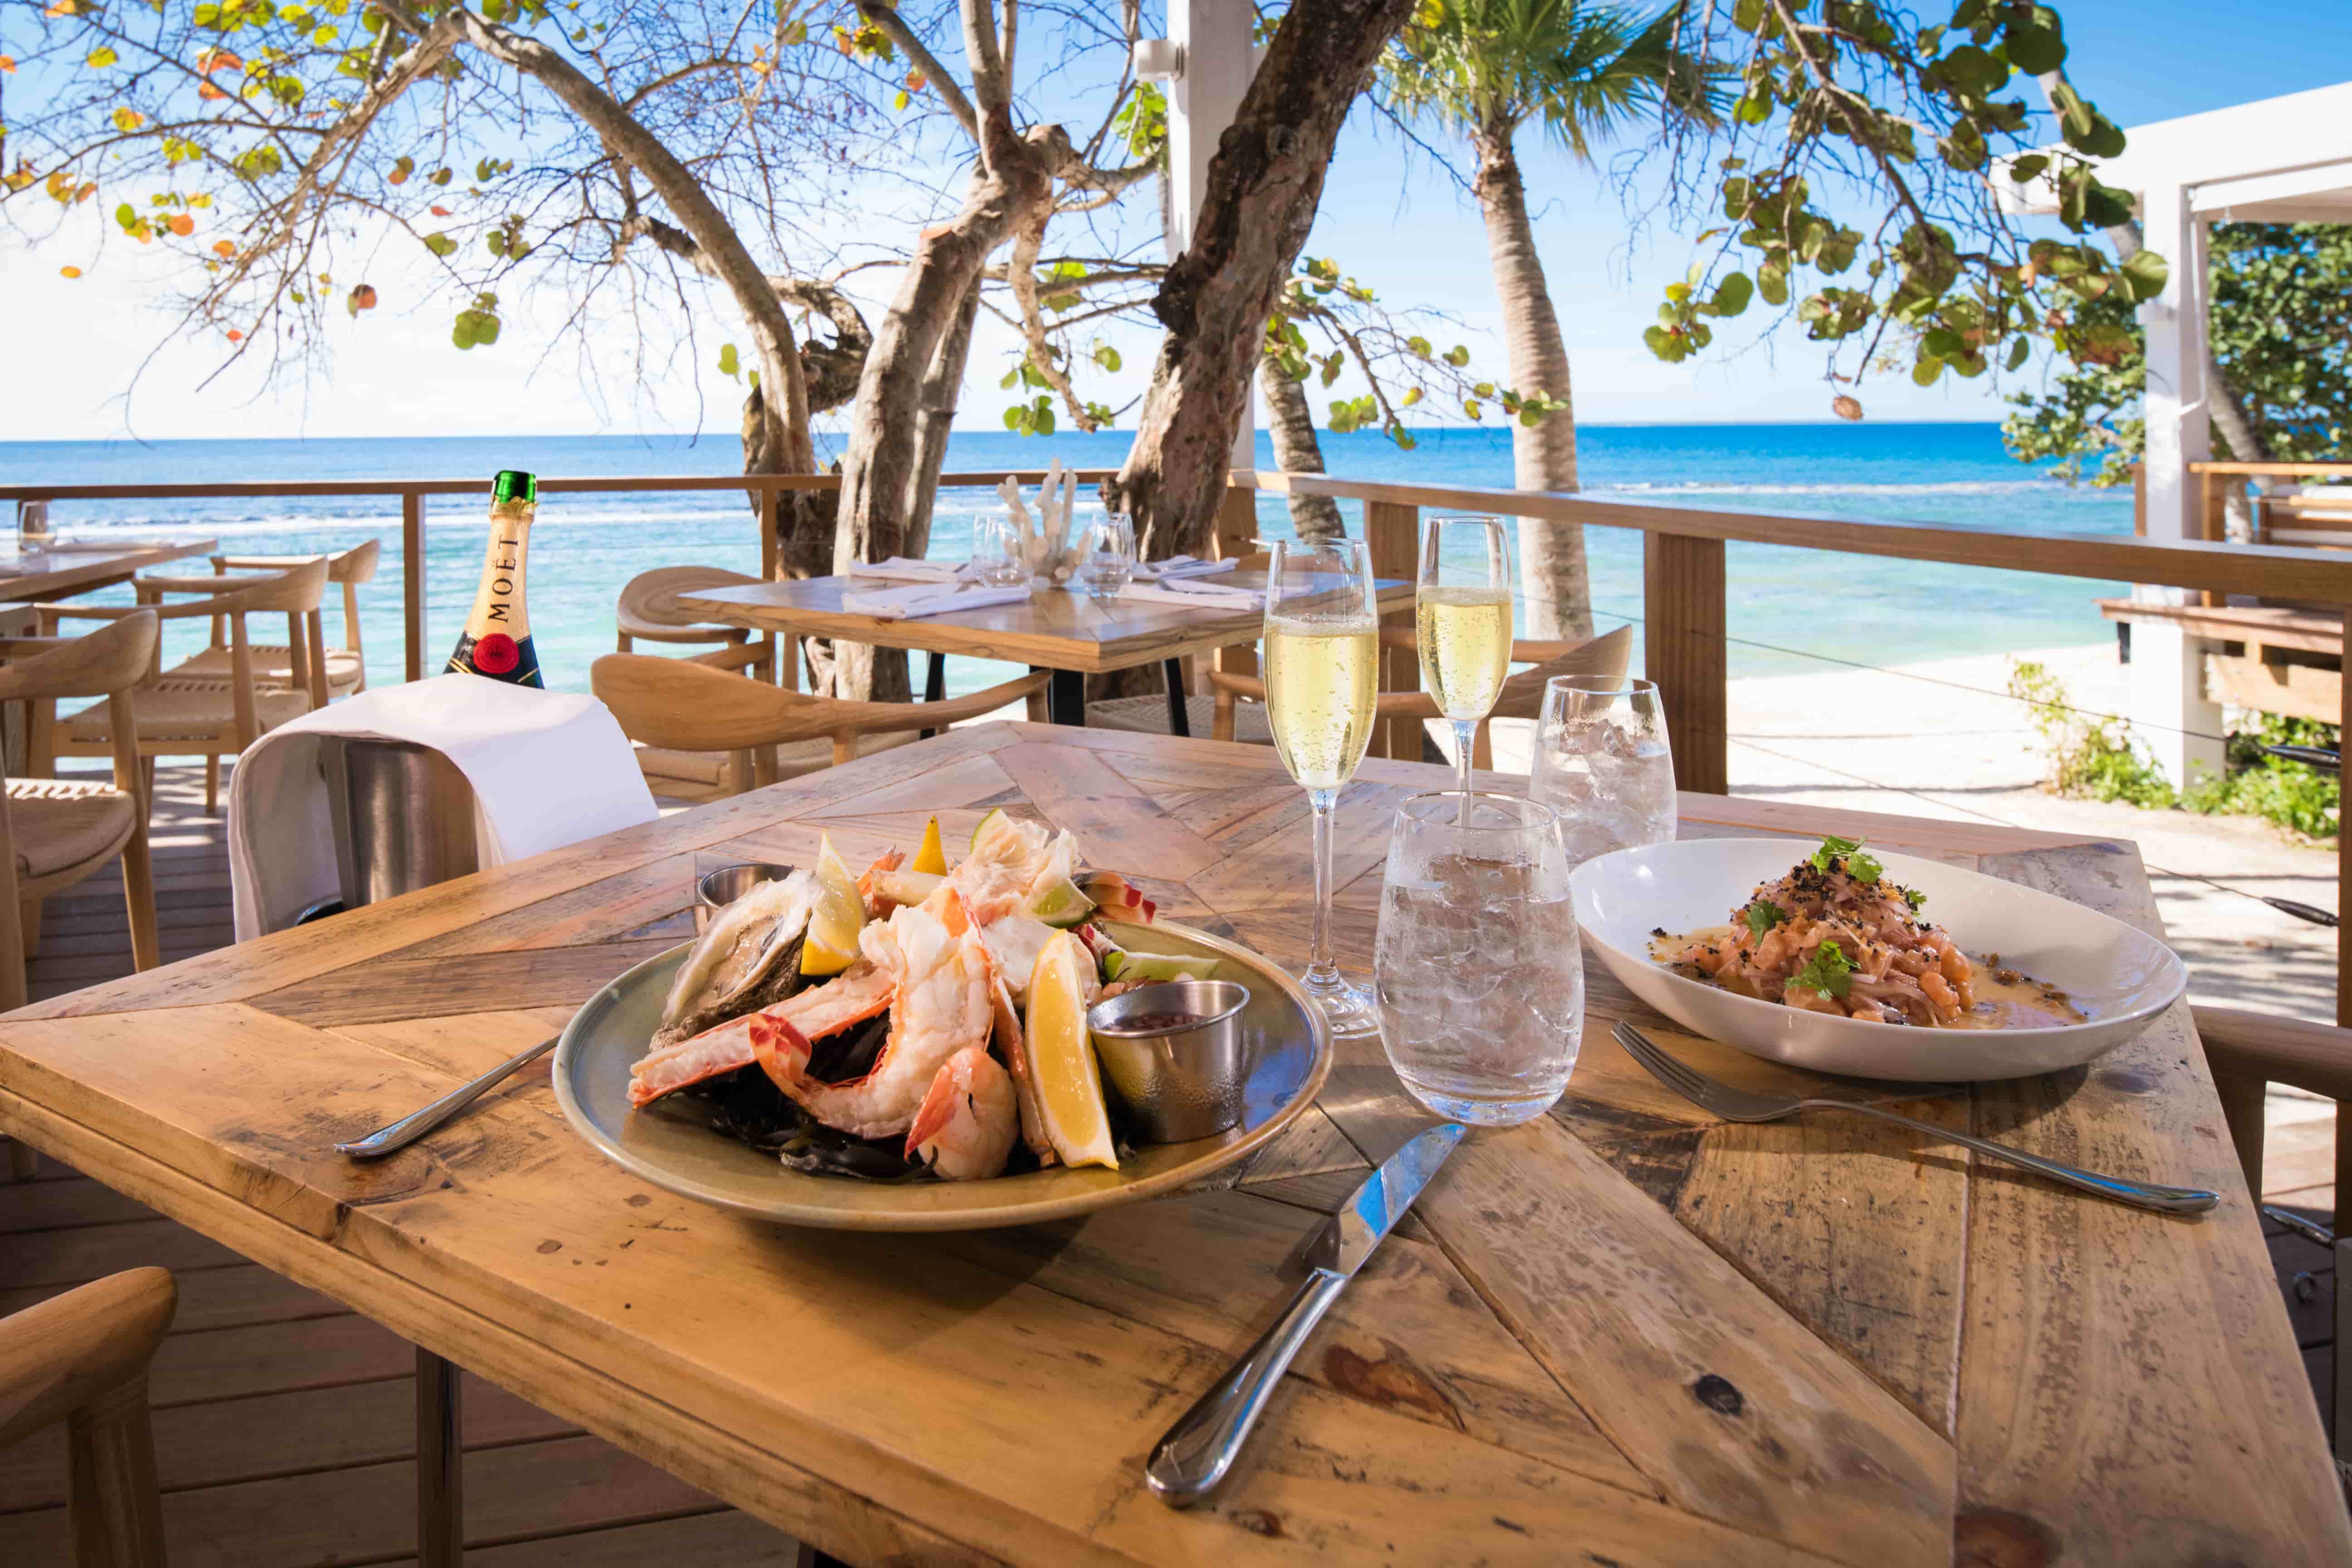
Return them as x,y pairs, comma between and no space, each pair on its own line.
1483,69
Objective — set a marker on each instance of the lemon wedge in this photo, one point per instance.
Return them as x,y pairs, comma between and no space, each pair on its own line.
832,942
931,858
1062,1056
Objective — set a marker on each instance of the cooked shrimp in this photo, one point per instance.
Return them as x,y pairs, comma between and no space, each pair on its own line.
878,908
939,1006
852,996
965,1128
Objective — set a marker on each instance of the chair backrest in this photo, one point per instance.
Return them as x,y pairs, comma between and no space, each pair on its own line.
654,596
356,564
681,706
114,658
1604,658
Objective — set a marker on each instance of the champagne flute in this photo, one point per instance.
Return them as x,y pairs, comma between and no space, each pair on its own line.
1322,673
1463,616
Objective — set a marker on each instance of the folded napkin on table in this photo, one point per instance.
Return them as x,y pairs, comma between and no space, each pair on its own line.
549,769
906,568
1193,595
1183,566
930,599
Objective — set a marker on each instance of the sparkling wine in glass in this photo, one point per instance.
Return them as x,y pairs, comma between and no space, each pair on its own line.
1322,676
1462,625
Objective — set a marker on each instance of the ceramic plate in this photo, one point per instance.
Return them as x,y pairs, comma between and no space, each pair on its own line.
2119,974
670,1145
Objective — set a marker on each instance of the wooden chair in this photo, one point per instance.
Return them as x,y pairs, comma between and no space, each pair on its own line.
1604,657
2249,1051
54,831
288,665
178,716
82,1358
767,732
652,608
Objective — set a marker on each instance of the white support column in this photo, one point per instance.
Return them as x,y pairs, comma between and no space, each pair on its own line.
1219,57
2167,675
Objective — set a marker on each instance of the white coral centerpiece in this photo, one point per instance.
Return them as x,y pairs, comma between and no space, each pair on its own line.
1045,548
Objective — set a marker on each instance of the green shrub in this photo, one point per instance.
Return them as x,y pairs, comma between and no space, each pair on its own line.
2091,755
2255,784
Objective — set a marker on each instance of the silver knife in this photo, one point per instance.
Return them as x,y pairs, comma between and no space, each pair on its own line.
1188,1462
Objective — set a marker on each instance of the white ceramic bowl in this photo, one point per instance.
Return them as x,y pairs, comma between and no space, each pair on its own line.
2121,977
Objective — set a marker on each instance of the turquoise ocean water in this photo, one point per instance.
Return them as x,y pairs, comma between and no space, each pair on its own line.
584,548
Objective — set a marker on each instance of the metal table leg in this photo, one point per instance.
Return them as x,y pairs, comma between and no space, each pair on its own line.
1180,716
440,1459
935,686
1065,699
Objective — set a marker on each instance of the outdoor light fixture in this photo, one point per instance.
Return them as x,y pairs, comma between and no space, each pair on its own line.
1158,60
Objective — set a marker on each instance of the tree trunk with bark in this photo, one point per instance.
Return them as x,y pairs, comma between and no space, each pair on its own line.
1552,571
1295,449
1263,188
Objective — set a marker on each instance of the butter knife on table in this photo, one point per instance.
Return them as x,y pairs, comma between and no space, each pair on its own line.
1187,1464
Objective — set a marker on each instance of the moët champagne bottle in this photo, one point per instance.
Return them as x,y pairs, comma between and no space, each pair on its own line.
497,639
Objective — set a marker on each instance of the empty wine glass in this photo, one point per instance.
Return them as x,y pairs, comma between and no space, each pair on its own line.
1478,967
996,552
1106,555
1603,765
1462,625
1322,674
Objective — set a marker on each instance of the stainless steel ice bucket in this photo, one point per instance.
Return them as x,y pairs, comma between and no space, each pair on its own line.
402,815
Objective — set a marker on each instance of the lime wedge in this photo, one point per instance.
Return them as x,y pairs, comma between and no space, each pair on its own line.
988,825
1143,968
840,912
1062,1056
1060,904
931,857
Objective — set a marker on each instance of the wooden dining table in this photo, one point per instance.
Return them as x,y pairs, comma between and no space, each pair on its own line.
1068,633
1621,1334
52,573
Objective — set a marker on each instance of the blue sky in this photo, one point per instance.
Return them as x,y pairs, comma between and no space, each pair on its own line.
1406,232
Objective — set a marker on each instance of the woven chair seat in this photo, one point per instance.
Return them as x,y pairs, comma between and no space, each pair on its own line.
1148,715
58,825
189,710
272,666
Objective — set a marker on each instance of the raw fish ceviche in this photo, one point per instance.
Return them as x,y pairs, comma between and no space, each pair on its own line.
913,1021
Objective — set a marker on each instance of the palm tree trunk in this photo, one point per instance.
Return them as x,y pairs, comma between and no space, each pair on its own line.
1296,450
1552,573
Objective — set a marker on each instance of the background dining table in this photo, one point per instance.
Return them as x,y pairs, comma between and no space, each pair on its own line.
52,572
1053,629
1625,1333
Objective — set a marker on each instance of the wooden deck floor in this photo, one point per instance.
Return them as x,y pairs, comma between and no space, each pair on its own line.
284,1423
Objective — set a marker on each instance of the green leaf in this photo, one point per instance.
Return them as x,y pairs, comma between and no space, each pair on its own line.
1762,916
441,244
1773,281
1011,379
1458,356
2144,275
1827,971
2019,348
2033,44
1943,343
1013,418
729,365
101,57
496,240
1833,848
2024,168
1106,357
1732,295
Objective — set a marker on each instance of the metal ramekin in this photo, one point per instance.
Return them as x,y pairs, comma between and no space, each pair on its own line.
1179,1083
717,889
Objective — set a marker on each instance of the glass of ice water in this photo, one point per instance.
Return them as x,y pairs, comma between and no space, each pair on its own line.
1602,765
1477,970
1106,555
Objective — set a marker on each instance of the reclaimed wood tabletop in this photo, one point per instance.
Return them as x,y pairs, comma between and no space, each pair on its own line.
1052,629
1621,1334
46,574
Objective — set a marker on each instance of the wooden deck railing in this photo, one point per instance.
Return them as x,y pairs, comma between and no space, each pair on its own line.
1685,592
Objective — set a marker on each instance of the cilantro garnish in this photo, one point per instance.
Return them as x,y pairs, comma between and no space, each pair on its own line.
1826,971
1863,867
1764,914
1916,899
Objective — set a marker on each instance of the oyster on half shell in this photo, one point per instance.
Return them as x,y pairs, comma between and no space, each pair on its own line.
749,957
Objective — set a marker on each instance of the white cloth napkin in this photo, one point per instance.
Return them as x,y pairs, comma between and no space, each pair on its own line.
1207,596
930,599
1183,566
906,568
549,769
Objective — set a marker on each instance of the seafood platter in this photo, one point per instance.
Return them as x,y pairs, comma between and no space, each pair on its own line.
921,1046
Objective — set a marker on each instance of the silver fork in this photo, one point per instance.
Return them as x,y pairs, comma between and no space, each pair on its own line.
1742,1105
